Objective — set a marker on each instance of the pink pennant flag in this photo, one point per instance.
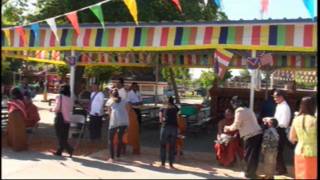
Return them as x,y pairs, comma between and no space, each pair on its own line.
266,59
264,5
177,4
73,18
20,30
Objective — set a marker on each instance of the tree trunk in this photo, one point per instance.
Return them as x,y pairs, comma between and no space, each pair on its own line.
174,85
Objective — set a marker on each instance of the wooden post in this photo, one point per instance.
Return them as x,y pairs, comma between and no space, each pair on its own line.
157,80
174,85
72,75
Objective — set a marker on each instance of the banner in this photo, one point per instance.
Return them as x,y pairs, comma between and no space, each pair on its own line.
35,28
22,34
177,4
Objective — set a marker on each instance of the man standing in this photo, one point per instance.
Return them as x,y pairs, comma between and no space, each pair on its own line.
283,115
246,122
121,90
134,98
96,111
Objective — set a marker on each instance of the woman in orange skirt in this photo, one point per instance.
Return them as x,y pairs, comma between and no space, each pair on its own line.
304,133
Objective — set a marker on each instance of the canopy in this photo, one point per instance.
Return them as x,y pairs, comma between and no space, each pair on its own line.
275,35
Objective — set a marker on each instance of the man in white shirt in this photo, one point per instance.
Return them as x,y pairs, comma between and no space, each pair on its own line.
121,90
283,116
246,122
96,111
134,98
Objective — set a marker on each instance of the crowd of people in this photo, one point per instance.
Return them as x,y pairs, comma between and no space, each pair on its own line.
269,137
240,135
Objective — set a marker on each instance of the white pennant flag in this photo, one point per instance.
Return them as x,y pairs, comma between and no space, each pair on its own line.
205,2
53,26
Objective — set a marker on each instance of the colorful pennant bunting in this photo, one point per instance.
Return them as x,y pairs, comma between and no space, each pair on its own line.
52,23
73,18
177,4
132,6
97,11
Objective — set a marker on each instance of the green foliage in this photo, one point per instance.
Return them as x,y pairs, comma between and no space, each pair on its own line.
245,74
181,75
6,73
102,74
62,70
207,78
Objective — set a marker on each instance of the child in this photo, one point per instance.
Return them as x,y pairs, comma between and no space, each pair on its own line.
269,147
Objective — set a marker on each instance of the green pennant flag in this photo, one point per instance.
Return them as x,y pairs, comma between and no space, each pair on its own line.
98,12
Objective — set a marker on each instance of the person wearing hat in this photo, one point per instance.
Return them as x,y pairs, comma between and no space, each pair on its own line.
246,122
283,115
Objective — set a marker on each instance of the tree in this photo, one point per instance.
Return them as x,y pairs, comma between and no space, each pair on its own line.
102,74
62,70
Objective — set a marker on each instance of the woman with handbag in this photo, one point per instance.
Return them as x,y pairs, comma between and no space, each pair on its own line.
63,110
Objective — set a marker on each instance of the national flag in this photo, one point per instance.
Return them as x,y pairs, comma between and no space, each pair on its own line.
266,59
219,69
253,63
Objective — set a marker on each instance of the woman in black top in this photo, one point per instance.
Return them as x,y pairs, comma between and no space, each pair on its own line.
169,130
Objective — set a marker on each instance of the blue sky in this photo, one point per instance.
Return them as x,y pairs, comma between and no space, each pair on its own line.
278,9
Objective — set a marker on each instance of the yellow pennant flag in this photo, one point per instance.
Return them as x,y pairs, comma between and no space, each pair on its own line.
7,34
132,6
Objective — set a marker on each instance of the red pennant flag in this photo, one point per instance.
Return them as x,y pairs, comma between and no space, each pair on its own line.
20,30
177,4
264,5
73,18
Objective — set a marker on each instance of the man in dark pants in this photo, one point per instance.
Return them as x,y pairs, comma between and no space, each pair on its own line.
246,122
96,112
134,98
283,115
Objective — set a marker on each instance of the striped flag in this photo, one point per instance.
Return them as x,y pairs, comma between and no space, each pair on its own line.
219,69
223,56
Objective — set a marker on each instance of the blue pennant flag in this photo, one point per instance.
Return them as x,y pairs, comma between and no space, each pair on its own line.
35,29
218,3
310,6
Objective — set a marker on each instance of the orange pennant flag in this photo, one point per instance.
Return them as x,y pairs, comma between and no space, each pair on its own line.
73,18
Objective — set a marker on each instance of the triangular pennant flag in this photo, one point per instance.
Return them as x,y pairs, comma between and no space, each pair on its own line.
20,30
218,3
264,5
35,28
309,5
205,2
52,23
73,18
266,59
132,6
177,4
97,11
7,35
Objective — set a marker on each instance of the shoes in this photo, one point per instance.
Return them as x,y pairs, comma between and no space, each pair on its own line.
279,173
171,166
57,153
70,152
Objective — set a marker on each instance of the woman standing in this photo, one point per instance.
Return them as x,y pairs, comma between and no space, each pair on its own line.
169,130
63,110
304,131
119,121
17,115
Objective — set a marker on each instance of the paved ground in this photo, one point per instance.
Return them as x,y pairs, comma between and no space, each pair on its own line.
90,162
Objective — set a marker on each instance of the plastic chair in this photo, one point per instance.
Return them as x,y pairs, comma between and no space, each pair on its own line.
76,121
